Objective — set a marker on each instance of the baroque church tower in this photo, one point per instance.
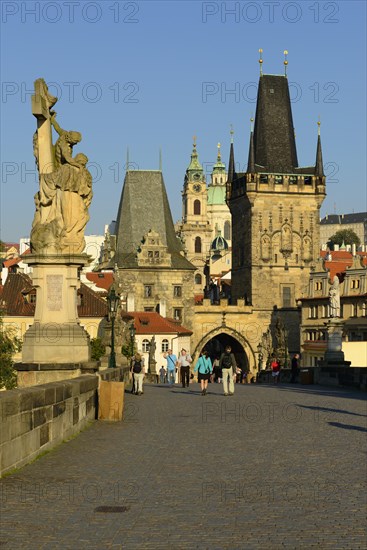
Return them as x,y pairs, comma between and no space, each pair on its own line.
275,207
195,229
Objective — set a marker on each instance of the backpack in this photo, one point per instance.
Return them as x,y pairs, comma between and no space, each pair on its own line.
137,367
227,361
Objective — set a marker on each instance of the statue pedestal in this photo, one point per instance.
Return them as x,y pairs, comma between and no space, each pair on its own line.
334,356
56,337
151,376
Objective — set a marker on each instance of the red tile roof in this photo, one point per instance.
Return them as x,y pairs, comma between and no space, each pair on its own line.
18,285
102,280
150,322
11,262
341,259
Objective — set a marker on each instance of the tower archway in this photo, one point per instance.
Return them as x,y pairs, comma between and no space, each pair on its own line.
216,340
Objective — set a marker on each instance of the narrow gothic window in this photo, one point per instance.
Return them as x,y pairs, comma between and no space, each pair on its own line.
148,291
198,244
197,208
227,231
287,296
198,279
164,345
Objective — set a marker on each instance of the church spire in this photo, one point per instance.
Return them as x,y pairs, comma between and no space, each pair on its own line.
319,167
219,167
251,153
194,170
231,164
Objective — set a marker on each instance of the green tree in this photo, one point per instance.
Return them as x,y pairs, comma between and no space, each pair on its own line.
98,348
346,236
9,344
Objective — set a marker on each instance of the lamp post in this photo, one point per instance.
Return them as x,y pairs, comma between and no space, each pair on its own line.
260,356
132,331
113,301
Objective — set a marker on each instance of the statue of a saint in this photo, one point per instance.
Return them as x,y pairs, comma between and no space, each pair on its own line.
334,298
65,192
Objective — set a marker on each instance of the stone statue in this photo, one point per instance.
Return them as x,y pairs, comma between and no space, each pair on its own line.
65,192
152,348
334,298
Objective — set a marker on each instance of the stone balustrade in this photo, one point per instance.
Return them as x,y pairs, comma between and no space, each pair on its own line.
38,418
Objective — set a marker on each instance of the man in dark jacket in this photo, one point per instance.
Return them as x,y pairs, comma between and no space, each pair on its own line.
294,367
227,363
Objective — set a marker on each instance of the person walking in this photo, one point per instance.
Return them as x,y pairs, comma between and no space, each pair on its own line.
162,375
275,369
227,363
204,368
183,362
138,371
294,368
171,366
216,370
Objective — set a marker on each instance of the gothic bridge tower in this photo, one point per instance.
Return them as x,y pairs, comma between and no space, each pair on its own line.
275,207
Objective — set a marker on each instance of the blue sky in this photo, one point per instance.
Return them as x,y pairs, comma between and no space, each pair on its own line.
150,75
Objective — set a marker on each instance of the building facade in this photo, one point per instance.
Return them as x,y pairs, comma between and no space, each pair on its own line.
352,274
332,223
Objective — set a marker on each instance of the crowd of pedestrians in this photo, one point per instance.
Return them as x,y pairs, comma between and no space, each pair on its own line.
224,369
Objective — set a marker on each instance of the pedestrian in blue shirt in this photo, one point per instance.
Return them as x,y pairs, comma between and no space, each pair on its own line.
204,367
171,366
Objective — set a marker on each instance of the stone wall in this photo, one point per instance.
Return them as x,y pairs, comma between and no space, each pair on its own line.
36,419
347,377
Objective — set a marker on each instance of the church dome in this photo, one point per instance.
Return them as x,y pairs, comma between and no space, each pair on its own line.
216,194
219,244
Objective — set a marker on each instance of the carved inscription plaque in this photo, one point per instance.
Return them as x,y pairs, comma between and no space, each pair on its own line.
54,292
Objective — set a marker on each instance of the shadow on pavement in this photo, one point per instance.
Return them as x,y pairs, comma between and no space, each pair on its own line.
347,427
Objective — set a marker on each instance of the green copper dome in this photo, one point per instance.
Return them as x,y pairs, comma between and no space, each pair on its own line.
216,194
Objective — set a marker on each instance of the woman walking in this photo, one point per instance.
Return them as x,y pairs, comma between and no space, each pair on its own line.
204,368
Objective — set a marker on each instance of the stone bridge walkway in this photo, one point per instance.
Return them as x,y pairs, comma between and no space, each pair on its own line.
272,467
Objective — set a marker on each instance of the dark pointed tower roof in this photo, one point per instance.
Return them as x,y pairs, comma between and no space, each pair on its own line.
231,164
251,153
144,207
319,167
274,141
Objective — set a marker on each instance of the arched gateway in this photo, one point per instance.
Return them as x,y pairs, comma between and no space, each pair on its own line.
216,340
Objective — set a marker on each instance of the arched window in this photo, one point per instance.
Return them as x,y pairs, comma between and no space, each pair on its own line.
165,345
197,244
145,346
198,279
197,207
227,231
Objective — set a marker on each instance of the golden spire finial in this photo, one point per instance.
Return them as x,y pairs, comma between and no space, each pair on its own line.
285,62
219,156
231,132
252,122
194,140
318,124
261,61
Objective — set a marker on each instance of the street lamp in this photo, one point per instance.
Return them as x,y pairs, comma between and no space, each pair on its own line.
113,301
260,356
132,331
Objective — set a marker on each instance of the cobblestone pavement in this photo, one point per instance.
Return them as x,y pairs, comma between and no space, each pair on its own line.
272,467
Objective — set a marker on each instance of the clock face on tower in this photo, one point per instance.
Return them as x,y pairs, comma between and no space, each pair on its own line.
197,187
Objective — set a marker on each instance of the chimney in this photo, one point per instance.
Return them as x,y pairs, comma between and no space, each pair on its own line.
336,247
354,249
